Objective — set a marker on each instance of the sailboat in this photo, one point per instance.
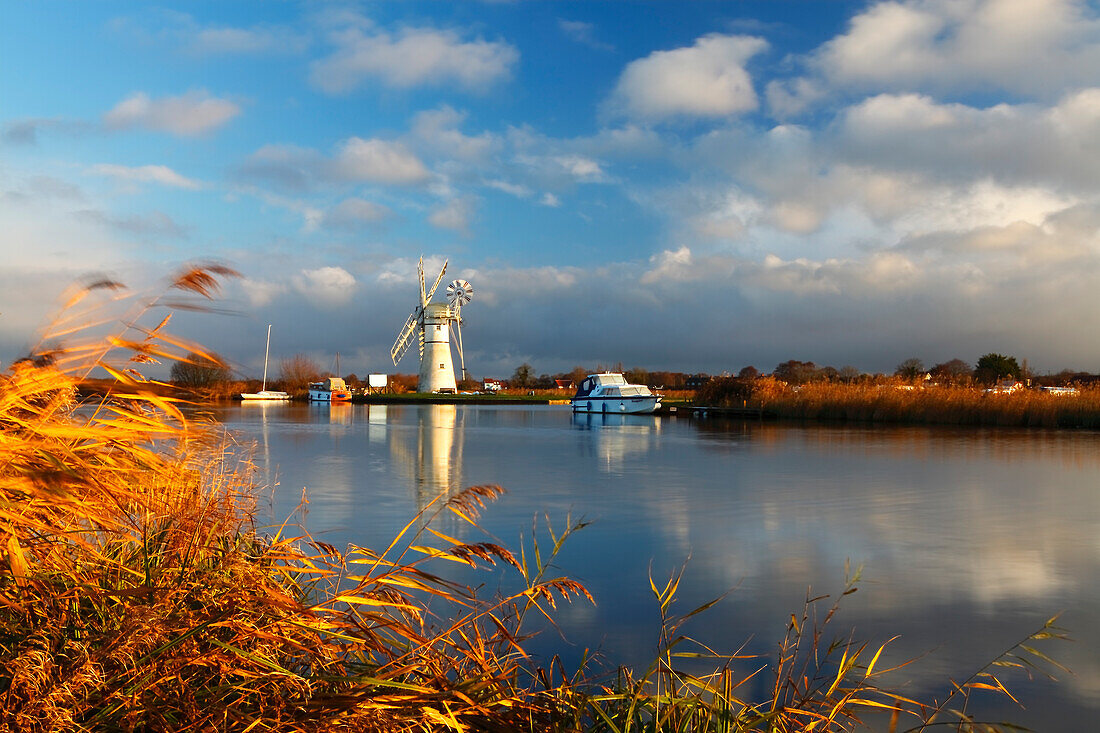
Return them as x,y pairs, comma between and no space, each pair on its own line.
265,393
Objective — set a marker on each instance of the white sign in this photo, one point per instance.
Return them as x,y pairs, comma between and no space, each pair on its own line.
376,381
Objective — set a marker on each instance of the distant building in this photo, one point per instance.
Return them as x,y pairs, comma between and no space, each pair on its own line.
492,385
695,381
1005,386
564,384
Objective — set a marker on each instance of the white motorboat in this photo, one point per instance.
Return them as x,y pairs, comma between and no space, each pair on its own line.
610,392
265,393
330,389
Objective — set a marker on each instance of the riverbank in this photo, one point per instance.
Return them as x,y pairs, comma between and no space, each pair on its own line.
932,405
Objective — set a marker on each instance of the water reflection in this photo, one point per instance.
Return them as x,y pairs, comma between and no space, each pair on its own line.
969,538
432,455
616,438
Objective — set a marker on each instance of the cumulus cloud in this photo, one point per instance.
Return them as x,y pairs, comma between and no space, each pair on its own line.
261,292
512,189
326,286
707,79
379,161
1023,46
437,130
354,213
454,214
355,160
194,113
581,168
412,57
147,174
1024,143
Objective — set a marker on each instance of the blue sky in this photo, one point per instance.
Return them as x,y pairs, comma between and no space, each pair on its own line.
690,186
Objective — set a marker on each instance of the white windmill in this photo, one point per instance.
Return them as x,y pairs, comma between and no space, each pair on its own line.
430,323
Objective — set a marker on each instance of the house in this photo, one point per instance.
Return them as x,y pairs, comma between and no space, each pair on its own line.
1005,386
564,384
492,385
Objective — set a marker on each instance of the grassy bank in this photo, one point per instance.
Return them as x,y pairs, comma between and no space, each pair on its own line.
898,403
137,594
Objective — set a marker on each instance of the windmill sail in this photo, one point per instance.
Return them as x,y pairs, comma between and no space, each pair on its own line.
405,336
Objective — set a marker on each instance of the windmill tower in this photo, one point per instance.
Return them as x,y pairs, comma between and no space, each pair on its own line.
430,323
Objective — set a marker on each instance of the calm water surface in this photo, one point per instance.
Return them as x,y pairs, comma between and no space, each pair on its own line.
969,539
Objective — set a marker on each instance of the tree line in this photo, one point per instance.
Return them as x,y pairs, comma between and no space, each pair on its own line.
296,372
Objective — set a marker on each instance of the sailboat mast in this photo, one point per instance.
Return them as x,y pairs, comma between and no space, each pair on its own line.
266,350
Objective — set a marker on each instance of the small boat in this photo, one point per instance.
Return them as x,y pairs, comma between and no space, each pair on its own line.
265,393
330,389
610,392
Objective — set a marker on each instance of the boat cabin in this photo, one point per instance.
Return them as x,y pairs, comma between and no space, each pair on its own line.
608,384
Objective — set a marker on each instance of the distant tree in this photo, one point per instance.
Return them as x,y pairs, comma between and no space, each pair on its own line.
849,374
796,372
725,392
352,380
955,371
749,372
637,375
296,372
402,383
827,374
578,373
523,376
992,367
200,372
911,368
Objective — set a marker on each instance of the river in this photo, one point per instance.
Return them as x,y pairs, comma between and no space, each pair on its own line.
968,539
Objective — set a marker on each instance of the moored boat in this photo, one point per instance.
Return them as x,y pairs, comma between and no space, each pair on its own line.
330,389
610,392
265,393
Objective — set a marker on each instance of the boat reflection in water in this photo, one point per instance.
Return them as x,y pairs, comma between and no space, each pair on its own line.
618,437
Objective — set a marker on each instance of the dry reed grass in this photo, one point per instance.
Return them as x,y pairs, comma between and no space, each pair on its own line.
136,595
944,405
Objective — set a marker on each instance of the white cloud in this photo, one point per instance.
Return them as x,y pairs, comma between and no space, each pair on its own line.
194,113
147,174
379,161
790,97
549,199
412,57
512,189
326,286
354,213
1022,144
454,214
581,168
261,292
1024,46
437,130
707,79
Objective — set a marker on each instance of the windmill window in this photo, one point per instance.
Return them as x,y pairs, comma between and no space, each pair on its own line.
440,366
